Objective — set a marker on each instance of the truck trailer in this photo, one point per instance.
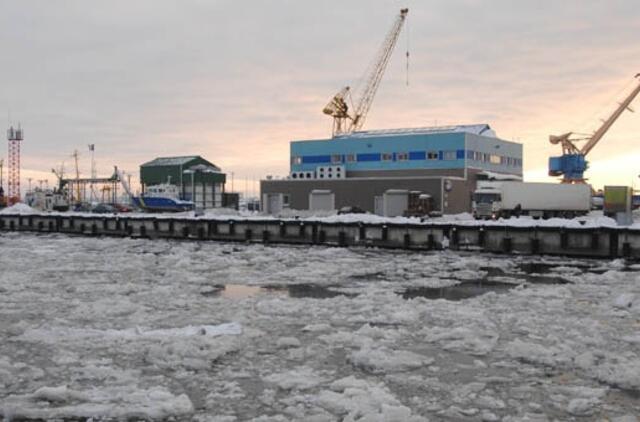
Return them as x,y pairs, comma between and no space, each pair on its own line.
493,200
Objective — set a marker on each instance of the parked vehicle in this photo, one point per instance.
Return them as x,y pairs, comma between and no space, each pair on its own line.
539,200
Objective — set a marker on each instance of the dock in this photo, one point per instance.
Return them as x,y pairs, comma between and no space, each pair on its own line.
593,242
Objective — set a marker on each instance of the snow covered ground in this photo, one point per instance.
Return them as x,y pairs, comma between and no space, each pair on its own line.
593,219
112,329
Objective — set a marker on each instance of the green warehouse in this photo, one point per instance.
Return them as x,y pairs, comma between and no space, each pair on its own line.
190,174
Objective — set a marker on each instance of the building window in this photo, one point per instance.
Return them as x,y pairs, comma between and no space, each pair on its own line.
494,159
403,156
296,161
432,155
351,158
386,156
285,200
448,155
336,159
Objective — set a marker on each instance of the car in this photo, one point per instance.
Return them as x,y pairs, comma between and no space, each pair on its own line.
104,209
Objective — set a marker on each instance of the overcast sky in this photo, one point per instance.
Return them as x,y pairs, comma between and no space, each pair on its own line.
235,81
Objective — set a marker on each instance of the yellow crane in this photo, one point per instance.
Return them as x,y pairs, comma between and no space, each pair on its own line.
345,121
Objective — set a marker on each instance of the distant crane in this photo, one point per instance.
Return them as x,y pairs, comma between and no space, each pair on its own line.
572,164
346,122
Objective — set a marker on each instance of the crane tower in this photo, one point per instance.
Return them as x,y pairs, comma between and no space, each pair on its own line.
345,121
14,136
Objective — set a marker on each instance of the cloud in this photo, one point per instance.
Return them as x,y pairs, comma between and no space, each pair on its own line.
236,81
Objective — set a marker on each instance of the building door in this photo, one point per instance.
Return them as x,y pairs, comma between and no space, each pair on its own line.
378,205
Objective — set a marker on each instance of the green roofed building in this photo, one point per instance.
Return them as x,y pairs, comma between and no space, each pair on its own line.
191,174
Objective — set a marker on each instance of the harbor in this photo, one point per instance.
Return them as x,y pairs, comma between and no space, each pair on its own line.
320,211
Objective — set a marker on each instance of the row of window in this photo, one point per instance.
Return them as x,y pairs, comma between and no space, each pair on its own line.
406,156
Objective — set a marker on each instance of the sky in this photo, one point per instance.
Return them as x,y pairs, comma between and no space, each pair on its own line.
235,81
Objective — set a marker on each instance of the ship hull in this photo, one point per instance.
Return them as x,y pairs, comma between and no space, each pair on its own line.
159,204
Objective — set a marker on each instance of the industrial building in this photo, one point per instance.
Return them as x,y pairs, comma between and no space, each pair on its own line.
190,174
357,169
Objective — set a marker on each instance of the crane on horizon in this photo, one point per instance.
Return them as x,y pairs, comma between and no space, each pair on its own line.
345,121
572,164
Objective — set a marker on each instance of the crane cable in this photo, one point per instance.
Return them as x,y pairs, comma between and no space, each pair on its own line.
407,32
604,107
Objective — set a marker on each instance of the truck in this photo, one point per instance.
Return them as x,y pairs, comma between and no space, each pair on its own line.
493,200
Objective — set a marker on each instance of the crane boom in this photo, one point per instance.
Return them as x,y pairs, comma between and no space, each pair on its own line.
624,105
338,108
380,64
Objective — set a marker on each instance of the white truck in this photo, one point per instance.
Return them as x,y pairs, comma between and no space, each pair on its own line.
493,200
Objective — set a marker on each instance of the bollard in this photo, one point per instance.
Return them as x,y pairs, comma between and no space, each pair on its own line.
83,227
248,234
362,232
266,234
118,225
322,236
613,244
564,239
342,238
40,226
105,224
94,229
50,226
454,237
431,241
156,225
129,229
385,233
302,233
1,224
12,225
185,232
72,224
406,241
595,241
535,245
481,237
314,233
232,227
143,230
626,249
506,245
30,222
201,233
283,229
213,228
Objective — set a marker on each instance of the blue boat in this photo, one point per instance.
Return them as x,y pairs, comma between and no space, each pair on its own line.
162,198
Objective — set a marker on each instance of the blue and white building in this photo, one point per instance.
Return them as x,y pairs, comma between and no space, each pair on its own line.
360,166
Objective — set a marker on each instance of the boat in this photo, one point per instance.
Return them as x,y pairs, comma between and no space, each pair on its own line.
47,200
162,198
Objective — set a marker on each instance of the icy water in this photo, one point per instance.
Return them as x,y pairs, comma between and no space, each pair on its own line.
129,329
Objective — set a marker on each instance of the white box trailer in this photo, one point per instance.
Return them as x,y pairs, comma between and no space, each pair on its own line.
503,199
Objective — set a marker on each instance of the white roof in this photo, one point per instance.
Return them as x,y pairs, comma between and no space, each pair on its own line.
476,129
500,176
